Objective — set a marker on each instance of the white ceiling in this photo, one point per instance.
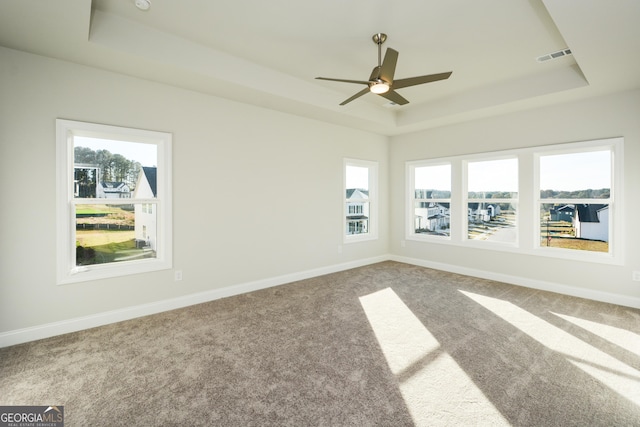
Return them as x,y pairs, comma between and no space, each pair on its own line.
268,53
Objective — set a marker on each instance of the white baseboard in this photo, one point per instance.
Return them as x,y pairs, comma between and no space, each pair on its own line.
20,336
558,288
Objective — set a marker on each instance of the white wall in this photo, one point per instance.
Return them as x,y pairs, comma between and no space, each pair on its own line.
247,184
602,117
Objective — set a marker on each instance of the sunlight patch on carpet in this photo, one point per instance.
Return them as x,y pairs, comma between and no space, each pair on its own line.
618,376
434,387
621,337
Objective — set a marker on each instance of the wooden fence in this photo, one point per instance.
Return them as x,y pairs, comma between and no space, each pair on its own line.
114,227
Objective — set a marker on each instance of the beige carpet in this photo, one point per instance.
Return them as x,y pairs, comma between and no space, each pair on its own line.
383,345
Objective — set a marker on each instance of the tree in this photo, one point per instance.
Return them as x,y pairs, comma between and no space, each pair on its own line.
113,167
103,159
84,155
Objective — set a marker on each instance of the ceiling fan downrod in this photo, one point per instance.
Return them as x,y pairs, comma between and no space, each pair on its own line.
378,39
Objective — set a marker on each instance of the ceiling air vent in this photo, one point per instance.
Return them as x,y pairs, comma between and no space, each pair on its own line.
554,55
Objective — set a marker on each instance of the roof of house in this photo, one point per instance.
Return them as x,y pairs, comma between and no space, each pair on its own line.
151,172
357,193
589,212
437,216
357,217
114,186
482,205
568,208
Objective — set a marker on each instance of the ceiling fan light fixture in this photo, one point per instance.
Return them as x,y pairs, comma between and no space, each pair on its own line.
379,87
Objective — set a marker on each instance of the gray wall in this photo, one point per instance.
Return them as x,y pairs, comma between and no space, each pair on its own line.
595,118
257,194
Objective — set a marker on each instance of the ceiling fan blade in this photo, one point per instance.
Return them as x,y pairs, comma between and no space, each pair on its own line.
412,81
388,68
394,96
357,95
362,82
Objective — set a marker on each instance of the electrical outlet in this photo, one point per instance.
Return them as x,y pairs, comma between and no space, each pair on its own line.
339,249
177,275
403,243
635,276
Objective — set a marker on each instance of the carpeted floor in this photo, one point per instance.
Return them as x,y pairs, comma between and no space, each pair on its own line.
384,345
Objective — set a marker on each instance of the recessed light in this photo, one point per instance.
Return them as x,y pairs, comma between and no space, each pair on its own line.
143,4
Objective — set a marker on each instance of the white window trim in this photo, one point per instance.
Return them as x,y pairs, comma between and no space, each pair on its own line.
528,199
614,256
373,201
67,271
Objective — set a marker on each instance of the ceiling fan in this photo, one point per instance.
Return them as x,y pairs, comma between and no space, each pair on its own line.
381,81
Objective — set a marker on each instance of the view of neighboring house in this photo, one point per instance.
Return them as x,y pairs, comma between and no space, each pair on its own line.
482,212
432,216
357,213
87,184
592,222
562,213
113,190
145,213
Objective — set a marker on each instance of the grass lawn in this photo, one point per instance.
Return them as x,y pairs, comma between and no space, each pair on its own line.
95,209
93,238
578,244
110,246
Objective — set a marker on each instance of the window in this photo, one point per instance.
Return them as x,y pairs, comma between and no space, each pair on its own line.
360,206
430,206
114,201
492,200
568,208
575,198
356,209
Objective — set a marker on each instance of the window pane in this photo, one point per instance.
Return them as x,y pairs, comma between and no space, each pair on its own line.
357,177
109,169
358,200
433,182
584,175
492,221
113,233
580,226
493,179
431,216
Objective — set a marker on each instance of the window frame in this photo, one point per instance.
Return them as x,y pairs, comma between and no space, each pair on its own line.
615,244
528,215
372,234
67,270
